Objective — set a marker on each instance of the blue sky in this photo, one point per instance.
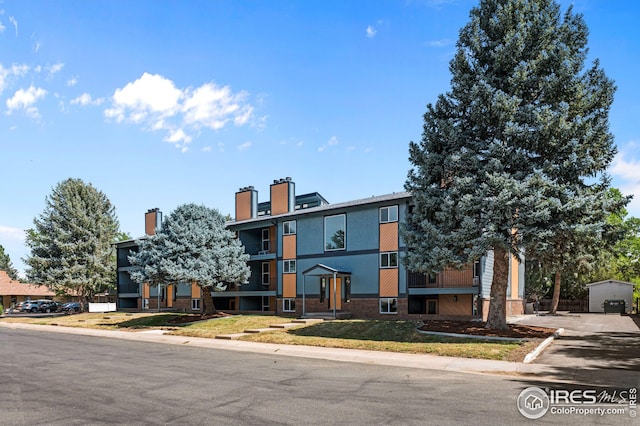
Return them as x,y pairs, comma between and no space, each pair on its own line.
160,103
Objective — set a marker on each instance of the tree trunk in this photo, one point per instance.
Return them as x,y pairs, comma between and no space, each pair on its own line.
497,318
208,308
556,294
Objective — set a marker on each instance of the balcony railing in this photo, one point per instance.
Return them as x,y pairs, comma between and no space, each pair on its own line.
449,278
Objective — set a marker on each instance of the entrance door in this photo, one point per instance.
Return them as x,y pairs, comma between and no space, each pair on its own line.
432,307
338,299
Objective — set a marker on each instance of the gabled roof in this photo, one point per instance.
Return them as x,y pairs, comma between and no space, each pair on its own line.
9,287
321,269
611,282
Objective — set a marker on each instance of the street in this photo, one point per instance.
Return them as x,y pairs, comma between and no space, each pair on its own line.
55,378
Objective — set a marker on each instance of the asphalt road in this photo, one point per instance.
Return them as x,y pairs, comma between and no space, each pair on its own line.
52,378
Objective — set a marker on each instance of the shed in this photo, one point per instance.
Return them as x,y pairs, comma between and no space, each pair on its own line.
610,290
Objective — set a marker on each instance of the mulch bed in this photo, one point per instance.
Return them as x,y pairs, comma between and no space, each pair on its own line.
477,328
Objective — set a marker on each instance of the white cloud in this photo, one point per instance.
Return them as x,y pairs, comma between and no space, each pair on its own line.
177,136
440,43
15,24
19,69
72,81
155,103
36,46
333,141
244,146
86,99
624,170
206,149
25,99
4,73
55,68
371,31
9,233
2,27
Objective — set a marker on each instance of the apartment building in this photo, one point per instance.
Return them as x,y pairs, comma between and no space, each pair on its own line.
309,257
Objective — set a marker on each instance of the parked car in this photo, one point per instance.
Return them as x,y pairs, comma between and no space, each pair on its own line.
19,306
70,307
34,305
49,306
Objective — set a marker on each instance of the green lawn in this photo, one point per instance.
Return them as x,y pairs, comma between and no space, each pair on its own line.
393,336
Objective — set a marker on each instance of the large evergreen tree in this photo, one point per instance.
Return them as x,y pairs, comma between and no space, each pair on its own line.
519,144
193,245
71,243
6,264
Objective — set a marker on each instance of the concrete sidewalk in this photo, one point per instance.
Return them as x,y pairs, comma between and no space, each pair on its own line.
542,372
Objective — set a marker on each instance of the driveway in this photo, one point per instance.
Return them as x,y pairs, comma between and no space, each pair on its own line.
590,341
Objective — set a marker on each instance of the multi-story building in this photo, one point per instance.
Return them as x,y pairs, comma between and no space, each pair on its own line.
308,256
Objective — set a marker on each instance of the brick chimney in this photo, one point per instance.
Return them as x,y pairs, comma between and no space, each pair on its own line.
152,221
283,196
246,203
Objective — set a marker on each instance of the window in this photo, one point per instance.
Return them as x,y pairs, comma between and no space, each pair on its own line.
145,303
288,305
476,269
195,304
389,259
265,239
265,303
334,232
289,228
388,305
389,214
265,273
289,266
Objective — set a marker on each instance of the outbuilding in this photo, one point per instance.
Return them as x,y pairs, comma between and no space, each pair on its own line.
601,291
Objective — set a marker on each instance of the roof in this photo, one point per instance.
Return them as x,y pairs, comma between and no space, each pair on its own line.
321,269
362,202
9,287
611,282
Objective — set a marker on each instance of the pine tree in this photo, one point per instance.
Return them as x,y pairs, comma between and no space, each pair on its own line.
71,243
193,245
6,264
520,144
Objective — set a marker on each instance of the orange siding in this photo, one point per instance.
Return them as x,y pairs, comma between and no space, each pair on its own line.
456,278
461,307
288,285
195,291
389,236
514,277
289,247
389,282
338,293
170,296
145,291
243,205
280,198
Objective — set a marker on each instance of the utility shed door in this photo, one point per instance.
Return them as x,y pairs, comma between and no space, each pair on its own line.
609,290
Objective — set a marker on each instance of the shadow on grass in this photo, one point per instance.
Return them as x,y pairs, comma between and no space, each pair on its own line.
380,331
150,321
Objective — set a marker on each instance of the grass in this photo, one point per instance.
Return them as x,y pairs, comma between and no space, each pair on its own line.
377,335
393,336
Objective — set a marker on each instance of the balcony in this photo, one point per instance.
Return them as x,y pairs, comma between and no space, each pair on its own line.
449,278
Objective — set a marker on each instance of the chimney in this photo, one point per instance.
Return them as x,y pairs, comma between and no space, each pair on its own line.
283,196
152,221
246,203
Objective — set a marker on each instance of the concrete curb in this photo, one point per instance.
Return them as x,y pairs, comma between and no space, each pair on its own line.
534,353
